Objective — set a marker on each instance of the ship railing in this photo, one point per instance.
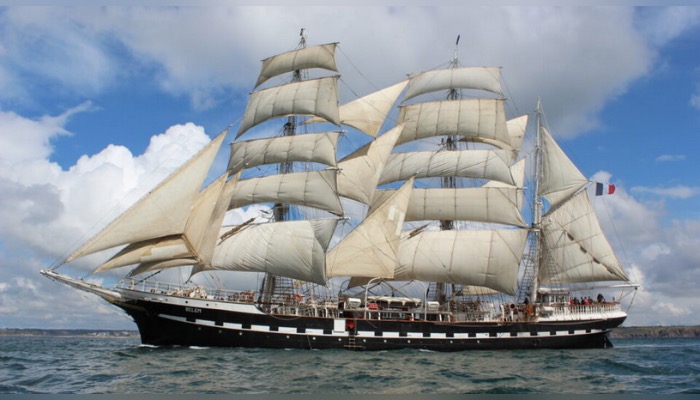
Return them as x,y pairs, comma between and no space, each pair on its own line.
413,314
511,312
525,312
298,304
188,291
308,308
561,309
401,314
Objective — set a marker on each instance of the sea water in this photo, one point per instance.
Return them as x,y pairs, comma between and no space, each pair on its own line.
71,365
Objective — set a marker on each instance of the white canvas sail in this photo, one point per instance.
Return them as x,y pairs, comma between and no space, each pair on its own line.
481,78
371,249
517,171
516,132
318,97
499,205
560,177
474,119
478,258
312,147
195,244
576,249
480,164
147,251
360,170
258,248
316,189
179,246
367,114
165,264
320,56
163,211
210,234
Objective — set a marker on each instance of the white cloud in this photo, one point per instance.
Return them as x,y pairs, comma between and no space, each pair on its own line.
659,256
37,135
202,52
69,203
654,250
670,157
676,192
662,25
42,49
695,101
624,215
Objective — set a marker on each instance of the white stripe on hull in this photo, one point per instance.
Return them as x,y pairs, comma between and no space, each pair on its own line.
372,334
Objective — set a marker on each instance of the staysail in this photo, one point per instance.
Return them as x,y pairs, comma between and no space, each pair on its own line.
360,170
187,245
371,249
367,114
560,177
576,249
202,233
164,211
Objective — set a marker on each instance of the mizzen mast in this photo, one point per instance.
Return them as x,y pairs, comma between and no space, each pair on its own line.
537,206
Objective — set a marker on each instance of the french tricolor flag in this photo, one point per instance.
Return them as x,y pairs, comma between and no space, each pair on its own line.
603,188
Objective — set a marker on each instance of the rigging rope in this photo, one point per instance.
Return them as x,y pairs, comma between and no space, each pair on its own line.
150,276
634,295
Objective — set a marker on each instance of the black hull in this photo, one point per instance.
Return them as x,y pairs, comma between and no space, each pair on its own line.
166,324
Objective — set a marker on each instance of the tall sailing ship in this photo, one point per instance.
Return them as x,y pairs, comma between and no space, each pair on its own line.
441,257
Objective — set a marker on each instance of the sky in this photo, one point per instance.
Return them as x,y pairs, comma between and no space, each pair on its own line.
97,104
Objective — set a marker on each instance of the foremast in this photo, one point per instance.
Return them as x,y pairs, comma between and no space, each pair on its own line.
449,143
281,210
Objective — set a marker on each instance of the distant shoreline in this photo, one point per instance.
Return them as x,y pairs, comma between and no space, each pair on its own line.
105,333
627,332
652,332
